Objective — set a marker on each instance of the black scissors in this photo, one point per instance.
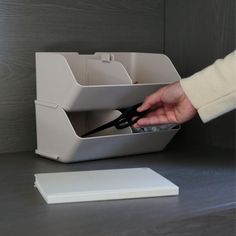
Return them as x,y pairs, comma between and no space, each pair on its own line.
128,117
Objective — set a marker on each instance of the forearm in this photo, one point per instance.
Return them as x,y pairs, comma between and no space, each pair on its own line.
212,91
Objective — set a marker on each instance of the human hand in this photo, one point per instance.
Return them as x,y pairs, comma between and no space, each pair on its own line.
169,105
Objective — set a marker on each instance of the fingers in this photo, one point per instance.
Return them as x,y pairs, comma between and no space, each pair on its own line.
151,100
167,105
153,120
159,112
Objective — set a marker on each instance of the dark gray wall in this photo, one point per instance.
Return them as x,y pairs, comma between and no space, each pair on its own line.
196,34
192,33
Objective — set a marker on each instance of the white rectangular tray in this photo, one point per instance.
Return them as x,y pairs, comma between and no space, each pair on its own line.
83,186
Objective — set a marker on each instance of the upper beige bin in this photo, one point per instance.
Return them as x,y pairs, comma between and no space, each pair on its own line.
102,80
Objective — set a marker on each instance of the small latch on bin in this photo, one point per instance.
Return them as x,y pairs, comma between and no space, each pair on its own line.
107,57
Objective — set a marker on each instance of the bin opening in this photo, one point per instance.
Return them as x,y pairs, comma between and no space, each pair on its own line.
83,122
124,68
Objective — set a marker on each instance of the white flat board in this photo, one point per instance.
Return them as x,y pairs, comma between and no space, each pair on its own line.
97,185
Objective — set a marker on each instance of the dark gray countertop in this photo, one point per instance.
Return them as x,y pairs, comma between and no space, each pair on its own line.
206,204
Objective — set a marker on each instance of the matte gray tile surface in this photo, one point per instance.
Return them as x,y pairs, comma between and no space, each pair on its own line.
206,204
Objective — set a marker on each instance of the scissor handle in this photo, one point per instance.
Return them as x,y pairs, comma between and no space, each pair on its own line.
123,123
126,119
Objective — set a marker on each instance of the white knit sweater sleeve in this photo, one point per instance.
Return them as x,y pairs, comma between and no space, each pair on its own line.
212,91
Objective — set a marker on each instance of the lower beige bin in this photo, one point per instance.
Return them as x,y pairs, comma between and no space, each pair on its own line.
58,136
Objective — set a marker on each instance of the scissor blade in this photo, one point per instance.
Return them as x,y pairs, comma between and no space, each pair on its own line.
98,129
123,121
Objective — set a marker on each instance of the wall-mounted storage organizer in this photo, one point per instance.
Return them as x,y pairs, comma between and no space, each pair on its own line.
76,93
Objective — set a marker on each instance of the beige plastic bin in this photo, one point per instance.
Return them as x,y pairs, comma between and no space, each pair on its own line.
58,136
76,93
102,80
